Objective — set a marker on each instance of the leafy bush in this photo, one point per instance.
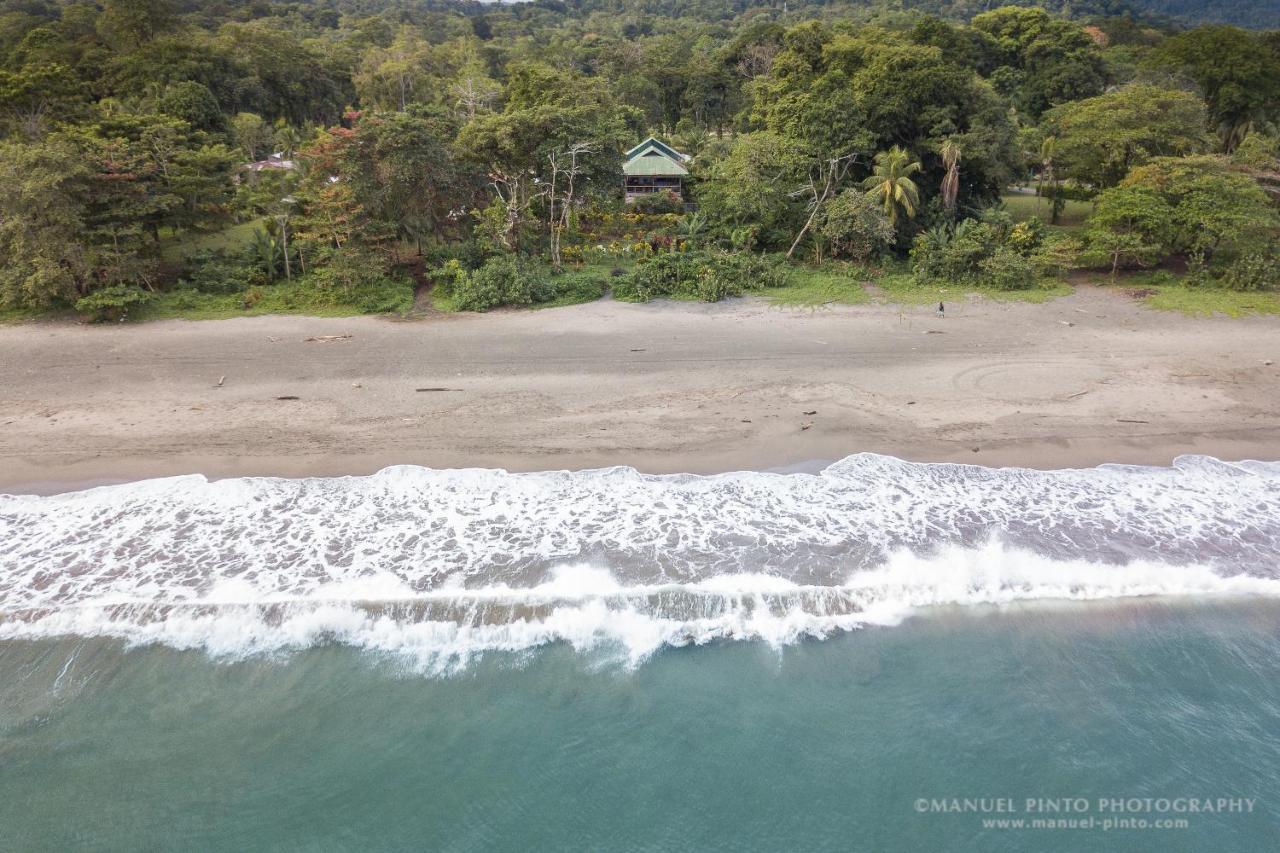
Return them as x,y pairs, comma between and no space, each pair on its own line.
579,286
112,303
943,255
716,282
502,280
222,272
1056,254
708,276
511,280
928,253
856,226
1006,269
991,251
669,274
755,272
357,279
1026,237
659,202
446,277
470,254
1255,271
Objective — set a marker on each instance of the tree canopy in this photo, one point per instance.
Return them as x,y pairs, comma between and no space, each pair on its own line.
370,136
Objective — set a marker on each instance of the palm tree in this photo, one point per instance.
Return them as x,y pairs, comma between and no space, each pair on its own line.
268,250
950,182
890,182
691,226
287,140
1048,149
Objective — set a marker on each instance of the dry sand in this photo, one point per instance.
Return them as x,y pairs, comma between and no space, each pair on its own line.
665,387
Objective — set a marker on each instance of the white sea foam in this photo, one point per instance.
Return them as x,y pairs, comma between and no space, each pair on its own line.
443,565
590,610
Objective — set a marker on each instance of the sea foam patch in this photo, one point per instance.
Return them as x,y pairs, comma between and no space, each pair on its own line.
444,565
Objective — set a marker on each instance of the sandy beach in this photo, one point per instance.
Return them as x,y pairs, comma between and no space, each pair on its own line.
665,387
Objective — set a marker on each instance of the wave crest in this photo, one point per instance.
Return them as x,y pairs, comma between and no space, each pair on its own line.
589,609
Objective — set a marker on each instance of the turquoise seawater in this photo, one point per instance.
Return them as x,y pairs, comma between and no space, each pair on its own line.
881,656
736,746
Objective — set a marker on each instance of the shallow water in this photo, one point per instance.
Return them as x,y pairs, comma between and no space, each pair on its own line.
732,746
608,660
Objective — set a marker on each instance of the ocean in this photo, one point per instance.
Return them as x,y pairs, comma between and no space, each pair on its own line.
880,656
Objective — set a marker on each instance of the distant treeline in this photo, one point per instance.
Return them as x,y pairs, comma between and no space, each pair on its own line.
455,142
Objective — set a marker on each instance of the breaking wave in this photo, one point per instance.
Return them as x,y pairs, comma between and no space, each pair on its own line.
441,566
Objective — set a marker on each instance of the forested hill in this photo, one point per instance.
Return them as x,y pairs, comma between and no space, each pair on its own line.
1256,14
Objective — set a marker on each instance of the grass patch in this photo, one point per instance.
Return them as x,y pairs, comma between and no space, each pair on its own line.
843,284
902,288
269,299
585,283
1165,292
1208,301
839,284
179,247
444,302
1024,207
21,315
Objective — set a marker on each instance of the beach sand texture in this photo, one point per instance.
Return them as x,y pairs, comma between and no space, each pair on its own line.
666,387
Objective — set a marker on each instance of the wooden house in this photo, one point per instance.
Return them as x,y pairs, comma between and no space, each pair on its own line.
652,167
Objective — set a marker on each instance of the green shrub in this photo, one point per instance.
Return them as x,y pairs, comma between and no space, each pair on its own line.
659,202
856,226
470,254
1057,254
445,278
988,252
710,276
222,272
955,256
716,282
971,244
928,252
578,286
511,280
112,303
752,272
668,274
1006,269
383,296
1255,271
502,280
355,278
1027,236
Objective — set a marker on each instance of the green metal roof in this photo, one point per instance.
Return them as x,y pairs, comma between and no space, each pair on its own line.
653,164
654,142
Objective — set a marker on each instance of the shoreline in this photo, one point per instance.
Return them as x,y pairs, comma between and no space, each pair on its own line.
1035,456
668,387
